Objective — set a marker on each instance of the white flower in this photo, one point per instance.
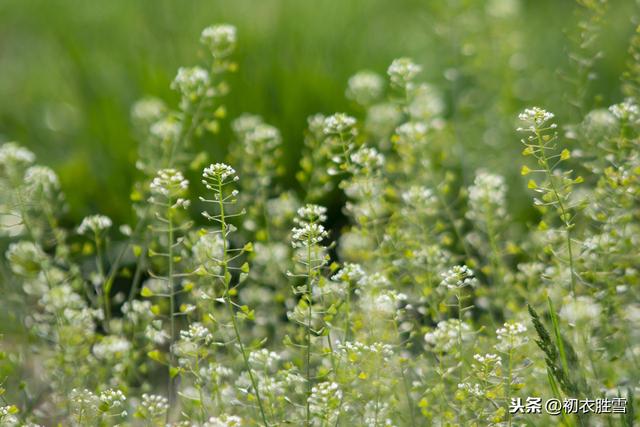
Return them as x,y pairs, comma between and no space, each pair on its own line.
219,171
445,336
13,156
311,213
627,110
339,124
224,421
412,133
191,82
365,87
264,359
511,336
220,39
245,123
308,235
94,224
26,258
459,276
148,110
153,406
473,389
168,183
167,129
368,158
208,252
580,309
112,398
41,179
535,118
111,347
324,401
196,333
402,71
487,197
421,200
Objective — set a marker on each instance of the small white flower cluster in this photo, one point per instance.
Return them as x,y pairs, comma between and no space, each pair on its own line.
83,400
7,417
153,406
365,87
264,133
14,156
191,82
383,304
412,133
427,104
220,39
402,71
224,421
197,333
148,110
111,347
487,196
359,351
208,252
309,233
367,158
170,184
264,359
137,311
25,257
218,172
374,281
245,123
581,309
458,276
155,333
112,399
325,398
339,124
311,213
167,129
511,336
472,389
376,413
444,337
421,200
349,274
42,180
627,111
535,118
488,359
94,224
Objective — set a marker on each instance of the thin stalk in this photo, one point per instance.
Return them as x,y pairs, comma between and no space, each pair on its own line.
229,304
171,304
309,314
563,211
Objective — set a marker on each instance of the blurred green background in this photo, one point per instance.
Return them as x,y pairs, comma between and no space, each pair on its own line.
71,69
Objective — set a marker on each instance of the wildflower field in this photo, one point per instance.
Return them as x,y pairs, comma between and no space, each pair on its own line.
452,240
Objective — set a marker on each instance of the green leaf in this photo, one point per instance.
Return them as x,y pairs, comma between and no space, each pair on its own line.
137,250
156,355
173,371
146,292
245,268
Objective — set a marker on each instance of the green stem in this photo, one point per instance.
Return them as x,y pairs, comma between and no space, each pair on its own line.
309,314
228,303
